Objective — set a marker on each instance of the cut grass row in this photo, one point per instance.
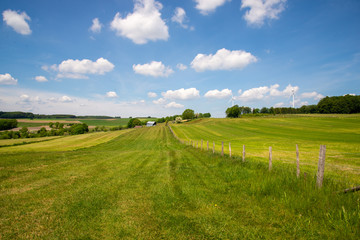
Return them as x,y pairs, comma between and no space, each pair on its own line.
66,143
341,135
145,185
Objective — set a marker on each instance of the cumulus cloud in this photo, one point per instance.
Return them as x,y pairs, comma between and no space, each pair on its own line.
174,105
152,95
261,10
41,79
183,94
18,21
265,91
225,93
78,69
111,94
96,26
7,79
208,6
314,95
181,66
159,101
65,99
143,25
155,69
223,60
280,104
180,17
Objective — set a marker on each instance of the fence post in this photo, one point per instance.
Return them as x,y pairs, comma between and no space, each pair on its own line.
230,149
201,144
213,147
270,158
222,148
321,166
197,144
243,157
208,145
297,162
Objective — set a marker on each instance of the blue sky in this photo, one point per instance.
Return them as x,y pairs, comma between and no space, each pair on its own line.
157,58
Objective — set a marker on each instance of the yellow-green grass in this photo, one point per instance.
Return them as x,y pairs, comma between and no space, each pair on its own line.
66,143
340,134
145,185
10,142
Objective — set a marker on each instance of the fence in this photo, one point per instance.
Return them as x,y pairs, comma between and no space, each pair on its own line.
321,163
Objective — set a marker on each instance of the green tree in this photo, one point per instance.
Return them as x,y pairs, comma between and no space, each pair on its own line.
233,112
188,114
133,122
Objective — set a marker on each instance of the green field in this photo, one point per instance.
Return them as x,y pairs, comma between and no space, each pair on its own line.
340,134
113,122
144,184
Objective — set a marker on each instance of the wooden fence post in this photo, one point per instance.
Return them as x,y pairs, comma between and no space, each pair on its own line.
213,147
197,144
230,149
270,158
321,166
243,157
297,162
208,145
201,144
222,148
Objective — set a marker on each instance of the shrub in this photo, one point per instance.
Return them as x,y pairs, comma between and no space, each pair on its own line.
6,124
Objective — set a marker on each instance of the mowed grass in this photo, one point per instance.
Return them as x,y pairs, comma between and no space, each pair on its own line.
19,141
340,134
66,143
146,185
111,122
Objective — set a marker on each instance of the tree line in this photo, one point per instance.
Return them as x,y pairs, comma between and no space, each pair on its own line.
338,104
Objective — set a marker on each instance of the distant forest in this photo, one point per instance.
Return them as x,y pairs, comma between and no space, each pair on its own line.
19,115
339,104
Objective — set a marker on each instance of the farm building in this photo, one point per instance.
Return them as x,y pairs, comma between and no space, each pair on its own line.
151,123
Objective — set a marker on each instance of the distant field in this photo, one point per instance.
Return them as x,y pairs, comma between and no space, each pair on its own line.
143,184
340,134
113,122
10,142
65,143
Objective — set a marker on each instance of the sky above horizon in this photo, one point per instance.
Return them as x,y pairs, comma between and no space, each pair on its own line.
158,58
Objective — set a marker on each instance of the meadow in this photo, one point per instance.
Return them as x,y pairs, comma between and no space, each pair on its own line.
340,134
144,184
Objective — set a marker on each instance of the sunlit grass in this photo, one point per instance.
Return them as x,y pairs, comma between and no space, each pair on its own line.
340,134
144,184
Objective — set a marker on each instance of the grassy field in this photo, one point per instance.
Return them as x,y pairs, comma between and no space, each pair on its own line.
144,184
20,141
113,122
340,134
65,143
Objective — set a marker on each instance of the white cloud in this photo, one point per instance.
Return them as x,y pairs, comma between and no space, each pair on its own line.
65,99
143,24
7,79
223,60
96,26
261,10
208,6
183,94
280,104
25,98
174,105
254,93
155,69
41,79
225,93
314,95
111,94
180,17
181,66
17,21
78,68
265,91
159,101
152,95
